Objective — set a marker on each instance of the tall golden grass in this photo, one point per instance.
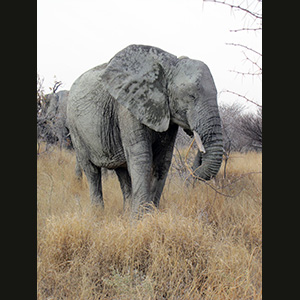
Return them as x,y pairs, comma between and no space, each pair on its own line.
200,244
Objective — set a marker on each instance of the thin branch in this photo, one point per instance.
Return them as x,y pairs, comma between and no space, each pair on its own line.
192,173
57,84
241,177
232,6
246,73
245,29
242,96
243,46
255,63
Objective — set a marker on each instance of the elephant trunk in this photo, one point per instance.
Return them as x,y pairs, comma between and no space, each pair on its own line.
208,136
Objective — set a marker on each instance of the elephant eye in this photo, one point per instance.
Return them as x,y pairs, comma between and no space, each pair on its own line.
192,96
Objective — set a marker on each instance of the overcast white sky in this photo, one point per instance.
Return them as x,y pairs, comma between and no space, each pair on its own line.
76,35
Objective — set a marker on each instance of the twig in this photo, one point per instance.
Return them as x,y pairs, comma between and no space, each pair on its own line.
256,15
192,173
258,73
57,84
241,177
242,96
243,46
246,29
197,177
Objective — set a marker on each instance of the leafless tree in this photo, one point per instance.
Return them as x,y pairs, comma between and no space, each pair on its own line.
242,131
230,115
232,141
40,94
252,14
251,128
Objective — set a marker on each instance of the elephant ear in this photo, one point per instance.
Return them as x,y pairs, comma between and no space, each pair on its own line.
136,80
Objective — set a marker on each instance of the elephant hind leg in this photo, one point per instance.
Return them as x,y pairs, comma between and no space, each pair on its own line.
125,183
162,157
157,189
78,170
93,175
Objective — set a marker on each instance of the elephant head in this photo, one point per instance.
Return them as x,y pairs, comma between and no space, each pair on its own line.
193,105
53,120
159,89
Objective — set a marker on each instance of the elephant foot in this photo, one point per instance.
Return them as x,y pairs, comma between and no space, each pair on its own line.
142,210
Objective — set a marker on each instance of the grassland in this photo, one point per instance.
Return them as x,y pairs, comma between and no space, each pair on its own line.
200,244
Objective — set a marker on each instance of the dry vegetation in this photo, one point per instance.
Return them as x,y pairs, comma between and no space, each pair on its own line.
198,245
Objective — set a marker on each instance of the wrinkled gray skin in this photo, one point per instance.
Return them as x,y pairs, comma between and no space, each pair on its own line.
124,115
55,115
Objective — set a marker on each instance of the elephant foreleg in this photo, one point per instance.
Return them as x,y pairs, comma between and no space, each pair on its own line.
139,159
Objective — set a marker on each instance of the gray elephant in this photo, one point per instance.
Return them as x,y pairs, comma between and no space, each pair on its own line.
52,121
124,115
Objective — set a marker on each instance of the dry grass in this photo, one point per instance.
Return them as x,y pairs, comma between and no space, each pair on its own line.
198,245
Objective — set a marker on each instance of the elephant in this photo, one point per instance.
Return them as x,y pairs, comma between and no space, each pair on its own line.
125,114
52,121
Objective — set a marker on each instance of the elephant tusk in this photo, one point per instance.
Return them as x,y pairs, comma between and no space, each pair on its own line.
199,142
